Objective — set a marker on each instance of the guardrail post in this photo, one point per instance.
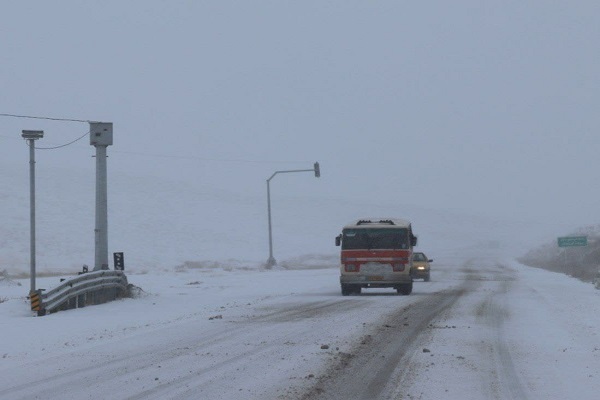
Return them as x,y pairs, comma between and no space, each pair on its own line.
37,302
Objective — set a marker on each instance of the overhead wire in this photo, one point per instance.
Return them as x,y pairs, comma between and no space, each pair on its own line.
205,159
138,153
63,145
50,119
46,118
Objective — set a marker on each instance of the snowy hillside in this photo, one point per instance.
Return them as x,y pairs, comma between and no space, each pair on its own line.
582,262
162,223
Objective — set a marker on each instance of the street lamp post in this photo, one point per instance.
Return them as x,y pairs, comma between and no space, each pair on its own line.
317,170
31,137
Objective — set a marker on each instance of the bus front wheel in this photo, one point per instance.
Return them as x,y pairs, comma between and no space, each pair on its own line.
405,289
346,290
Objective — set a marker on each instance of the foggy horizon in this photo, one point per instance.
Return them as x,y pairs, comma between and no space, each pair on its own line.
466,107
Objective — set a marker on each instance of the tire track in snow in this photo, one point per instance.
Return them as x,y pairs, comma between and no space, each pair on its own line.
380,366
236,342
191,386
492,312
382,358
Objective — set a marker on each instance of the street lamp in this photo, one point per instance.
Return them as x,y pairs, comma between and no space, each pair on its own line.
317,170
31,137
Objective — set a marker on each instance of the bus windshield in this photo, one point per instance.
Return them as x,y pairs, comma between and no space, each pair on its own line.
354,239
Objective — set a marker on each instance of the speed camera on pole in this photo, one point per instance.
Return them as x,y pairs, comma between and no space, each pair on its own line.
101,136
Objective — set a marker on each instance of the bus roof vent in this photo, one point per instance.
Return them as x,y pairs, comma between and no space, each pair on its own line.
381,221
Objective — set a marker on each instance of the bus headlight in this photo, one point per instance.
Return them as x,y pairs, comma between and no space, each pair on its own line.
398,267
351,268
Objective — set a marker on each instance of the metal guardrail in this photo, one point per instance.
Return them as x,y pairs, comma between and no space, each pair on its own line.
86,289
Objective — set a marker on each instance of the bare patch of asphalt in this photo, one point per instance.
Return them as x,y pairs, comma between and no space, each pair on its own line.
381,360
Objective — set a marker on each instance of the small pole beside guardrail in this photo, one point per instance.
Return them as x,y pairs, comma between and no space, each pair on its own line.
119,259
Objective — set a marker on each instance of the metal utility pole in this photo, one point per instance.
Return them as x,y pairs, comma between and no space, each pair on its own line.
317,170
31,137
101,137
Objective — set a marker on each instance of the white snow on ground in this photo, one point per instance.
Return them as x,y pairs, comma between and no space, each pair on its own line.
241,324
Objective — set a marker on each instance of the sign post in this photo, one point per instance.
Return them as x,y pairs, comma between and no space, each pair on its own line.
571,241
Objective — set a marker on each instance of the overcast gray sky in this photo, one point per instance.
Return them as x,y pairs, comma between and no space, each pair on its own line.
488,107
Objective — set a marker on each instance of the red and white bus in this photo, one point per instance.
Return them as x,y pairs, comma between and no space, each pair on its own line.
376,253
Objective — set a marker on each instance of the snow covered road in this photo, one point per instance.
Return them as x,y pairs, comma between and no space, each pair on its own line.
515,333
483,328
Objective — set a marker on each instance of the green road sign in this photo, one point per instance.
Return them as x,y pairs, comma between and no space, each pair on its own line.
572,241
